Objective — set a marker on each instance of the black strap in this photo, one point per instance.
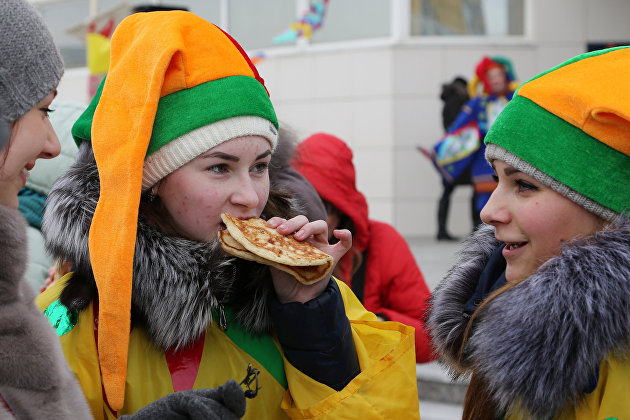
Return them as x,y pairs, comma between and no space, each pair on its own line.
358,279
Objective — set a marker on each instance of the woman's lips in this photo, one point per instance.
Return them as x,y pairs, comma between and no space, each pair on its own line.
513,249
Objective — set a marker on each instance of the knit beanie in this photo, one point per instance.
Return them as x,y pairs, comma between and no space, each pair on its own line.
569,128
177,86
31,65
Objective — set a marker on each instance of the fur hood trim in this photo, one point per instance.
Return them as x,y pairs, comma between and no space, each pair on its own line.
565,319
35,380
176,282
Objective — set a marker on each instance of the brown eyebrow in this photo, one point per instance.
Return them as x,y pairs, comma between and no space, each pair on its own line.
510,171
220,155
264,154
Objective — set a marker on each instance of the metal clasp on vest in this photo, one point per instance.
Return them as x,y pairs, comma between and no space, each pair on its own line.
222,319
251,378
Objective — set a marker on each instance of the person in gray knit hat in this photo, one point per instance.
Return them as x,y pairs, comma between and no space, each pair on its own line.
31,64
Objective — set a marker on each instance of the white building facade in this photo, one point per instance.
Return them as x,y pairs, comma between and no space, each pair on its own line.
372,75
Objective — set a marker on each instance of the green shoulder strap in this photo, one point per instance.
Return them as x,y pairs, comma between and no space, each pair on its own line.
262,348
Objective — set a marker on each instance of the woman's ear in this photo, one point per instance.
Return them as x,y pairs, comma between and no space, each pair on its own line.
154,191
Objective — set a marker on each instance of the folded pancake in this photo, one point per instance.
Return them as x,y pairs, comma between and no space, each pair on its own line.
253,240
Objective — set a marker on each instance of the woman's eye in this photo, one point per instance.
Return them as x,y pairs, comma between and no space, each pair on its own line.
260,167
47,111
218,169
525,186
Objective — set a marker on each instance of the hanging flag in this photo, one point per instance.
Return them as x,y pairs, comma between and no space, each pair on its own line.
96,31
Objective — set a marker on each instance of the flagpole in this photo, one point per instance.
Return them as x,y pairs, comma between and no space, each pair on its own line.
93,8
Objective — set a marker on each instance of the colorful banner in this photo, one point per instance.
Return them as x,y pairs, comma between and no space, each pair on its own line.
454,152
311,21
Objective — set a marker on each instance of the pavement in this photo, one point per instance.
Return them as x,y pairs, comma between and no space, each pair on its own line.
434,257
440,398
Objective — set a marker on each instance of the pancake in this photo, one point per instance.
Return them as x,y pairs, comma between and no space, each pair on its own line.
253,240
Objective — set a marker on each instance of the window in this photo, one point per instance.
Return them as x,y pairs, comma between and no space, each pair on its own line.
349,20
467,17
255,23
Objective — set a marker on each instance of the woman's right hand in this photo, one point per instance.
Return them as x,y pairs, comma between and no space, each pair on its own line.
288,289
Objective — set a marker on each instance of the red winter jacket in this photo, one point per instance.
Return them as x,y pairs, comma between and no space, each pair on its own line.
394,287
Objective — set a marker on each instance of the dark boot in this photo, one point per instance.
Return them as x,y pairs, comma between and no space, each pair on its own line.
443,205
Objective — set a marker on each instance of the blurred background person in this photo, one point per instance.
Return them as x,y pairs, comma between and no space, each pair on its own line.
498,83
286,179
380,268
459,155
454,96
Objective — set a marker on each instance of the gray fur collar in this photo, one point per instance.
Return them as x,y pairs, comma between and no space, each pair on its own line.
177,282
566,318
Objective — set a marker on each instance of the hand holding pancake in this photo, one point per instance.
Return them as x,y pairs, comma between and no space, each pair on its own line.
298,251
315,233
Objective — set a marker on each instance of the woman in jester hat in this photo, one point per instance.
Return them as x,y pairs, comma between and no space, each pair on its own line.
35,380
181,130
536,309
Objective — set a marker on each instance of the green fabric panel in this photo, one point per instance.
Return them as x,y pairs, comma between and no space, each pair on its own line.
571,61
62,320
207,103
564,152
263,348
82,128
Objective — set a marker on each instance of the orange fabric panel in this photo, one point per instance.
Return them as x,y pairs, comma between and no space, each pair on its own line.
599,111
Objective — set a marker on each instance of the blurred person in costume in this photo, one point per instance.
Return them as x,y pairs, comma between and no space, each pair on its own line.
182,130
461,150
454,96
535,310
380,268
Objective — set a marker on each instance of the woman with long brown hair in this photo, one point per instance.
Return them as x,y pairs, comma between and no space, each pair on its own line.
535,310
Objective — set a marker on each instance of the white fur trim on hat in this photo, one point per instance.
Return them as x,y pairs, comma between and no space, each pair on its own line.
185,148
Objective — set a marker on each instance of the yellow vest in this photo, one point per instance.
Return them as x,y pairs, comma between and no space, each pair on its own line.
386,388
609,401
